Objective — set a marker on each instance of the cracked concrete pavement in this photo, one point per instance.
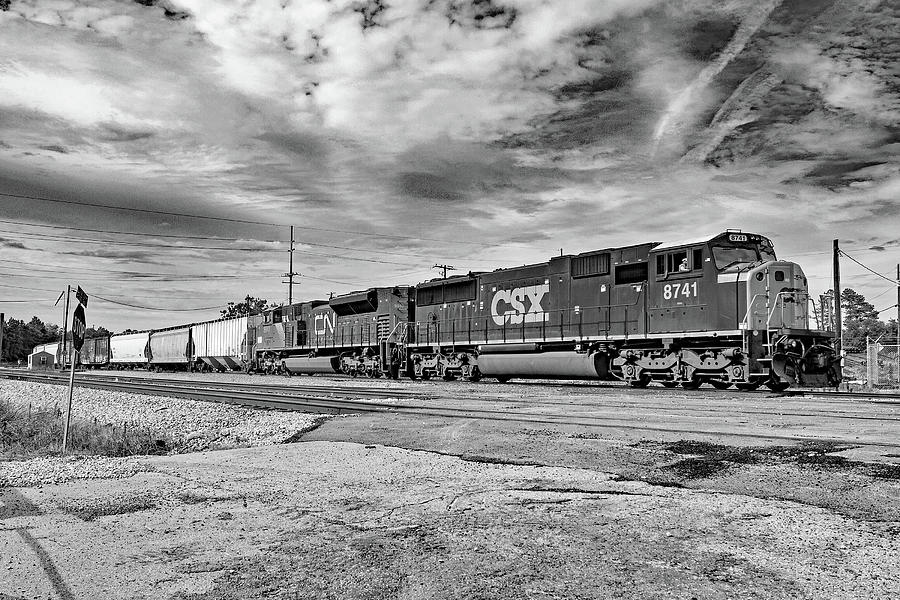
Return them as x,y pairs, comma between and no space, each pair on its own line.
348,513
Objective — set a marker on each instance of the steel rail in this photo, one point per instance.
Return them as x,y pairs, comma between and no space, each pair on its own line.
331,405
355,391
874,397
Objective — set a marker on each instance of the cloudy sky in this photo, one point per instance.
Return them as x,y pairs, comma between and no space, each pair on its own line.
396,134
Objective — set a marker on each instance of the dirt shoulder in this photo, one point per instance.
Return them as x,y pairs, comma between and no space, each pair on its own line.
369,519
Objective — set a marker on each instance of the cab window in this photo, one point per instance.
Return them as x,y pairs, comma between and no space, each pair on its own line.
730,257
679,261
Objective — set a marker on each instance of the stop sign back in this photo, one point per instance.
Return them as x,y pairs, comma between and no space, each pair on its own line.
78,328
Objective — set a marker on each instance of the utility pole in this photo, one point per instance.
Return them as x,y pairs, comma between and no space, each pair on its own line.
290,274
838,332
2,322
445,268
897,349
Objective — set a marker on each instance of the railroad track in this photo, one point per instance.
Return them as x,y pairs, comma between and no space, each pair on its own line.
347,399
138,384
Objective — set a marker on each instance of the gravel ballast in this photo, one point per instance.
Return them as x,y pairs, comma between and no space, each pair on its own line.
189,425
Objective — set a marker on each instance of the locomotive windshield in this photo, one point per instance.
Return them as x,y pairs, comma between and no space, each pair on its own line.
734,257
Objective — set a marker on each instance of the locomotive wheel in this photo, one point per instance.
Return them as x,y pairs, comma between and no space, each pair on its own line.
643,382
720,384
777,386
448,376
693,384
669,384
426,375
475,375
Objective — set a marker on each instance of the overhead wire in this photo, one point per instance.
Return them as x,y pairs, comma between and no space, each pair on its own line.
870,270
223,239
198,309
233,220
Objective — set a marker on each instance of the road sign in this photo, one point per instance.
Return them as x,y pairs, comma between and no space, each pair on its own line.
78,328
82,296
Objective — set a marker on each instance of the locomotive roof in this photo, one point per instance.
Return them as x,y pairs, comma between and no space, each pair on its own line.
707,238
688,242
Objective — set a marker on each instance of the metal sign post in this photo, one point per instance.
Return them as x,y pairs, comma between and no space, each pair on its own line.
78,328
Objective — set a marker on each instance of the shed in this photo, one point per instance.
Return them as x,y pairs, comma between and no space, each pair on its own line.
41,360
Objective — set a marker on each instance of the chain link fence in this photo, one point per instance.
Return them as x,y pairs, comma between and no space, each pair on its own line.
883,366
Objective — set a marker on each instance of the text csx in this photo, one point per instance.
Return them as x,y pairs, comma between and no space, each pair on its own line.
520,304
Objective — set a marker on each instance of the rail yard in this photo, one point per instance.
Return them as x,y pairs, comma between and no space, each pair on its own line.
482,489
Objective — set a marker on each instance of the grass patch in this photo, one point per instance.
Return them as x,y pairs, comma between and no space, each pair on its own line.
26,432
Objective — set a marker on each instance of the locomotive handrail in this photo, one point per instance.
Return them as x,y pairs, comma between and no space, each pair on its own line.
746,320
427,333
777,296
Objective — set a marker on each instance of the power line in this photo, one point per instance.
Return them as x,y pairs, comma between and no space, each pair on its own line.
161,235
218,307
29,235
868,269
884,309
150,245
232,220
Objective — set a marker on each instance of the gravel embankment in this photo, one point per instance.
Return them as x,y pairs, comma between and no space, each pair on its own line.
190,425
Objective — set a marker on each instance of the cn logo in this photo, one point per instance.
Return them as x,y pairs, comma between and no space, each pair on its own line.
520,304
324,323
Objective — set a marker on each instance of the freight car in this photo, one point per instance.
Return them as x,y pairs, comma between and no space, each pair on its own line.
719,309
129,351
220,345
170,349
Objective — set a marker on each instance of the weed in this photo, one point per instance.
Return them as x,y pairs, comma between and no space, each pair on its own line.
27,432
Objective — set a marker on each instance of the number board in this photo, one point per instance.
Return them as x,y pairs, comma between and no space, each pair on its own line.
78,328
681,293
737,237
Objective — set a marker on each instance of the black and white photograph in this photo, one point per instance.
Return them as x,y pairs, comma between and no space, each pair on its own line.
449,299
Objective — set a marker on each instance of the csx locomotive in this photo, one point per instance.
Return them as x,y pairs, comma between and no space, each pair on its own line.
720,309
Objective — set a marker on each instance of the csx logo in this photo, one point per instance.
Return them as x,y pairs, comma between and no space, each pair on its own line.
524,303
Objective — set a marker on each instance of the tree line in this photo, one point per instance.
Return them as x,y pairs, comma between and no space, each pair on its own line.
20,338
860,321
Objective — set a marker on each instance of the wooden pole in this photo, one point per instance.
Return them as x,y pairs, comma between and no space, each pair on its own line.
838,332
65,444
291,271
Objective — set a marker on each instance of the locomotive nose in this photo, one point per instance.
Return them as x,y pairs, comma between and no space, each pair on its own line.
777,296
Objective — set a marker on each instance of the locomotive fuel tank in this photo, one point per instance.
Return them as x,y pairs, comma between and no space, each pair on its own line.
528,361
